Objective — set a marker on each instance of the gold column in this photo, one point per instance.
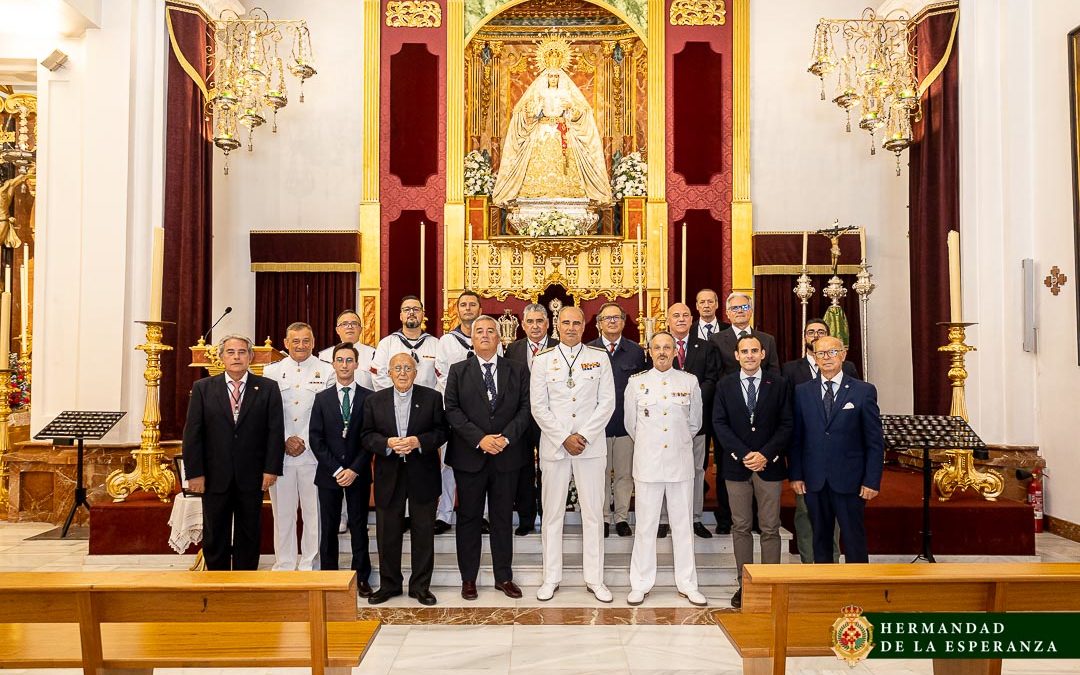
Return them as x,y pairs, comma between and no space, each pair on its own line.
370,212
5,438
152,471
742,215
496,88
656,211
454,210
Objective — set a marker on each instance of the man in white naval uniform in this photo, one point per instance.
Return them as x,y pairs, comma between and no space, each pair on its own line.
299,376
663,414
572,394
348,328
411,339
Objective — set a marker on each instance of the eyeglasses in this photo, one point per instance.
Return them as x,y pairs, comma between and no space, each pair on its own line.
830,353
402,369
349,324
411,310
817,331
610,319
739,308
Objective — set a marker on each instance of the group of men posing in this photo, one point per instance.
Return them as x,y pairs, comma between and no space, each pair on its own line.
455,419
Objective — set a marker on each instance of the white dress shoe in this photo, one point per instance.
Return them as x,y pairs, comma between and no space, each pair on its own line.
546,592
695,597
599,591
635,598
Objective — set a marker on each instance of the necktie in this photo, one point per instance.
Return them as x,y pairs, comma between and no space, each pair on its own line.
829,399
611,348
751,395
346,406
708,331
237,395
535,347
489,382
743,334
682,353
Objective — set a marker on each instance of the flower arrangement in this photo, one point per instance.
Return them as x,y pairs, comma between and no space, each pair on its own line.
554,224
479,179
19,394
629,177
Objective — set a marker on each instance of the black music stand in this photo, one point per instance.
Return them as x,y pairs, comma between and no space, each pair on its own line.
940,432
78,425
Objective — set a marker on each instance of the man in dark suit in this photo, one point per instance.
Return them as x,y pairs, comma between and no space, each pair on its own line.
699,357
627,359
534,319
740,310
487,406
707,324
753,422
344,469
403,427
838,452
234,450
796,372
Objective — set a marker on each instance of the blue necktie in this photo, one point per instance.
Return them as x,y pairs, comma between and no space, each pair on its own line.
751,395
489,382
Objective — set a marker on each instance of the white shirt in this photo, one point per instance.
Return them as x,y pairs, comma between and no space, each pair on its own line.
299,381
229,391
748,330
363,364
707,330
390,346
662,412
560,409
494,371
450,350
610,346
836,379
540,346
743,377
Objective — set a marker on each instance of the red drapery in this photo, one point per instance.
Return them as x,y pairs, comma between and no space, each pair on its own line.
935,209
315,298
188,216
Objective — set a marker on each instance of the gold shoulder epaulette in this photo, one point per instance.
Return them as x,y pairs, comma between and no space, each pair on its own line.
638,374
544,351
599,349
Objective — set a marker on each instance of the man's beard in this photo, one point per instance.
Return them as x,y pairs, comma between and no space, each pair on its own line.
412,322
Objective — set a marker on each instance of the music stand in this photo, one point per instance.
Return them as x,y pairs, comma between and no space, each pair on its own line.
78,425
941,432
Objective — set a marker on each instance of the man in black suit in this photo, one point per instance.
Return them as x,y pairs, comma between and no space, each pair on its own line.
740,310
403,427
234,450
707,324
699,357
534,319
753,422
796,372
344,468
627,359
487,406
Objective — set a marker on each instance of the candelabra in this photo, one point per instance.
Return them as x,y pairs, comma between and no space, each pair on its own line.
647,328
152,471
508,327
804,290
863,287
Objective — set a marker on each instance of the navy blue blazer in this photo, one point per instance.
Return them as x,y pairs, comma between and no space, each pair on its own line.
769,432
330,447
628,359
846,452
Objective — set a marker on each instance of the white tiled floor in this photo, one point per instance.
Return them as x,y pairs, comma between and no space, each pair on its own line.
554,649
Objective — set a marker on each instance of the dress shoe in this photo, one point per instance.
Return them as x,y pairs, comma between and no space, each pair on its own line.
635,598
424,597
662,531
607,530
546,592
622,528
523,530
599,591
702,531
363,589
468,590
736,600
723,529
509,588
441,527
382,595
695,597
485,526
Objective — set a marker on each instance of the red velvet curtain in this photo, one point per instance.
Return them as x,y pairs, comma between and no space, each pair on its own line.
935,209
778,312
188,217
312,297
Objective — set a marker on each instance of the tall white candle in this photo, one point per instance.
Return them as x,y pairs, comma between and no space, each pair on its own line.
956,307
684,261
639,275
423,245
24,297
156,273
7,278
805,238
5,328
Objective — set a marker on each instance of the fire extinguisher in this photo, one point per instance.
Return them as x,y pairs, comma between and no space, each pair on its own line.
1035,497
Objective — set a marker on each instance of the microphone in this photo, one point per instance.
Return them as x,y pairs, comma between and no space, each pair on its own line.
206,335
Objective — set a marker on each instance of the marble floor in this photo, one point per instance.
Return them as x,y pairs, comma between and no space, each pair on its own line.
570,634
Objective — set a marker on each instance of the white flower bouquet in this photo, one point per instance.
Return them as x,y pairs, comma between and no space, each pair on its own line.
479,179
629,177
554,224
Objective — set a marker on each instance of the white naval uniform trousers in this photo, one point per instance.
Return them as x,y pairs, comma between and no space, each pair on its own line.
560,410
662,412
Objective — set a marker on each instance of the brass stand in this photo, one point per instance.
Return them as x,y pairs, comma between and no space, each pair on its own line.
5,439
152,471
959,472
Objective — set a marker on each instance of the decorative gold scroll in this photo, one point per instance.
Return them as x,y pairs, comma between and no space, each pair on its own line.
698,13
413,14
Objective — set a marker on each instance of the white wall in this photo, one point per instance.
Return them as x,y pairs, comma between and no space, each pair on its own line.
305,177
806,172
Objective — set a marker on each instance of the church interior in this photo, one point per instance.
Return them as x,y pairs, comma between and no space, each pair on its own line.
173,172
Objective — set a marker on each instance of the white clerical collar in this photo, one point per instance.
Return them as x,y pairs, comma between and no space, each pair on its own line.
403,394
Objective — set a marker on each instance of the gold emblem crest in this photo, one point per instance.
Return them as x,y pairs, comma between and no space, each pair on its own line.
851,636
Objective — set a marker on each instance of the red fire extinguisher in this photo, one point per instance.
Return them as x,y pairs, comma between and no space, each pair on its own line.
1035,497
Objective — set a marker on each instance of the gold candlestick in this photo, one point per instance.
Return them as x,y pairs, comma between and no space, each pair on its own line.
959,472
152,471
5,439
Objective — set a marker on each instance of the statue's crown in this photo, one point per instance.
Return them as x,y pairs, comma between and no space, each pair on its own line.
553,51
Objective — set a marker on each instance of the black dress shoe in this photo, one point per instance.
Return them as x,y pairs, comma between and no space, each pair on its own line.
485,526
468,590
736,600
662,531
382,595
441,527
509,588
523,530
723,529
622,528
702,531
363,589
607,530
424,597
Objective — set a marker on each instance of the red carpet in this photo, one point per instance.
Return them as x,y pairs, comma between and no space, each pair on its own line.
967,524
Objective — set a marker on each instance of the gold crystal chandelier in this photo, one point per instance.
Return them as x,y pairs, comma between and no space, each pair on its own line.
248,65
873,59
23,151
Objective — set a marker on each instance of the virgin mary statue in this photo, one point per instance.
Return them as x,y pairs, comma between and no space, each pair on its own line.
552,146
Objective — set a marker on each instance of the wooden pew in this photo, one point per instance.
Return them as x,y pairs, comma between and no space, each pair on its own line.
132,622
787,610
